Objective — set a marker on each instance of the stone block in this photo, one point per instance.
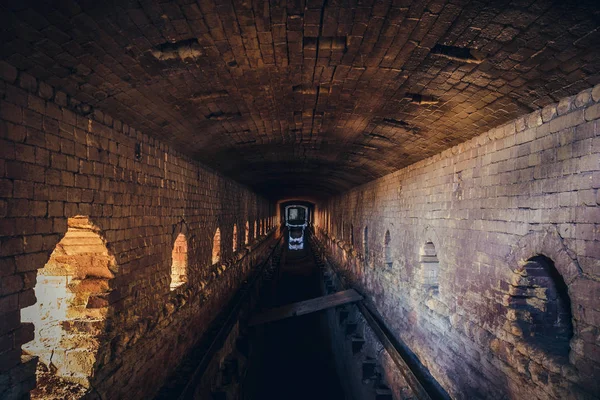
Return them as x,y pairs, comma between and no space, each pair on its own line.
592,113
11,112
28,82
596,93
584,98
7,72
565,105
548,113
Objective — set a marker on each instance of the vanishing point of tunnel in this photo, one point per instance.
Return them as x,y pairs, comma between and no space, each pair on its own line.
299,199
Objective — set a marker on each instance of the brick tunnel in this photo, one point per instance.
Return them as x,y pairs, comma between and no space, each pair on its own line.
326,199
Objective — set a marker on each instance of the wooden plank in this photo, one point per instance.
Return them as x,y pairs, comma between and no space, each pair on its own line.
306,307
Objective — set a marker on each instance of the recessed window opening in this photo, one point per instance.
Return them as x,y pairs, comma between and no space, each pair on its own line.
235,238
366,244
179,262
540,303
247,233
352,234
254,225
387,249
216,252
72,303
430,267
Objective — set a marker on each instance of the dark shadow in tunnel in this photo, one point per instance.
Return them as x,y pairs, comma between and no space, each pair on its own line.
297,360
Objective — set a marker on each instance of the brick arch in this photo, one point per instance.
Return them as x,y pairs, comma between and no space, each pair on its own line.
540,261
216,246
365,244
429,250
72,304
235,238
550,244
387,249
179,255
539,307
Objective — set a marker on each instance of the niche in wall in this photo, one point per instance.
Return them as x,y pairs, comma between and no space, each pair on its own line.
179,264
72,303
540,307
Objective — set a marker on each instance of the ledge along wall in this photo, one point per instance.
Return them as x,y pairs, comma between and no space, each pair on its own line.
483,208
56,163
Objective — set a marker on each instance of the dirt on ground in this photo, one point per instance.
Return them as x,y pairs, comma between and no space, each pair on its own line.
51,387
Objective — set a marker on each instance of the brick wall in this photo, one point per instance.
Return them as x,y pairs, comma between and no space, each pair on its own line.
60,159
483,208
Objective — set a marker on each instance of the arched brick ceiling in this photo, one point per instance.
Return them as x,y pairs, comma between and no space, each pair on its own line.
308,97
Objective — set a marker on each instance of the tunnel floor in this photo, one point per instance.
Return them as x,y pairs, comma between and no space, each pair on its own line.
297,359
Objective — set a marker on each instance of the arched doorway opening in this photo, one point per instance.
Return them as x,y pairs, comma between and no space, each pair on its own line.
179,263
541,307
216,251
235,238
387,249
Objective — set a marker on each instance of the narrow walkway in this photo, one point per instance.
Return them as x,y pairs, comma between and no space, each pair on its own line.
298,363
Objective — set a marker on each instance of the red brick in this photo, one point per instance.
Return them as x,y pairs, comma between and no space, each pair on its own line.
9,303
28,82
31,262
24,153
37,208
16,133
6,188
24,334
23,189
7,72
36,104
11,246
11,284
10,321
10,358
7,150
45,91
42,157
11,113
56,209
24,171
32,119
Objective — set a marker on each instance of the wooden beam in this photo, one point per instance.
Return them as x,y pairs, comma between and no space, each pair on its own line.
306,307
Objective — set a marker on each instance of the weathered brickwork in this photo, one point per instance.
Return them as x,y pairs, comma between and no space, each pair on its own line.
140,195
334,93
462,225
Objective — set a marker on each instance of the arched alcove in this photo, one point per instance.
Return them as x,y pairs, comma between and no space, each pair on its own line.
540,307
430,268
235,238
247,233
366,244
72,303
216,250
254,226
179,263
387,249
